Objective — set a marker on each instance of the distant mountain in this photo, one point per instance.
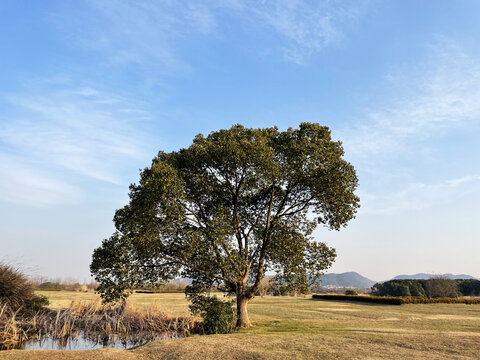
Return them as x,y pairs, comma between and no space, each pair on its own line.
428,276
179,280
348,279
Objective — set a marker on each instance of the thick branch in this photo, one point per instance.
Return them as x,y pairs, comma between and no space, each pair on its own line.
236,221
263,252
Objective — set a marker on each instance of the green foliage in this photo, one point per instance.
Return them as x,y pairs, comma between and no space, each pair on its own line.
350,292
435,287
277,289
469,287
416,288
37,302
233,205
218,317
400,288
361,298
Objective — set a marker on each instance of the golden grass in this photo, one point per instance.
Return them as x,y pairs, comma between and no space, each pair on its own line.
174,304
298,328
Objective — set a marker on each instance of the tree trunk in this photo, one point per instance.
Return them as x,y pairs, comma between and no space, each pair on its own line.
242,314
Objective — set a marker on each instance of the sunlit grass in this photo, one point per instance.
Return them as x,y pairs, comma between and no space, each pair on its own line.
302,328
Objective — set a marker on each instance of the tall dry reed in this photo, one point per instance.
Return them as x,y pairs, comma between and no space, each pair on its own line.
94,321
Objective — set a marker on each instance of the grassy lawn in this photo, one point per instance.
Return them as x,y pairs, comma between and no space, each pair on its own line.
173,303
301,328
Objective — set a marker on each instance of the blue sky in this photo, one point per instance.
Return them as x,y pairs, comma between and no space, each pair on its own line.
91,90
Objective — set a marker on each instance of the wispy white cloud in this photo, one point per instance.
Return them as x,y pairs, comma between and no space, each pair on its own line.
149,33
418,196
74,130
307,27
415,115
25,183
463,180
145,33
426,100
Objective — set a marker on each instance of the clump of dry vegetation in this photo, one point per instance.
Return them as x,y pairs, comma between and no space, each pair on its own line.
17,298
94,321
23,317
15,289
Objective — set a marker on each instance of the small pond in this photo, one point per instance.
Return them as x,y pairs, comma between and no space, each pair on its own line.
83,343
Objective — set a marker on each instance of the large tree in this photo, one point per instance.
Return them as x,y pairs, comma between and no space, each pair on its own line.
230,207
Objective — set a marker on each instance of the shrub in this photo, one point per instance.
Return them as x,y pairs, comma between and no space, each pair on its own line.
407,287
15,289
218,317
444,300
441,287
434,287
37,302
398,300
264,287
370,299
350,292
469,287
279,290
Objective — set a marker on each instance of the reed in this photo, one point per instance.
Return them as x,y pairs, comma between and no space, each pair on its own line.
94,321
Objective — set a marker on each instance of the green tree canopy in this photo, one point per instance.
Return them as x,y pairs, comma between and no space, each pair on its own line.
230,207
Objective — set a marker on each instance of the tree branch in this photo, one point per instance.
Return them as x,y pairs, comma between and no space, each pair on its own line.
263,252
194,268
305,205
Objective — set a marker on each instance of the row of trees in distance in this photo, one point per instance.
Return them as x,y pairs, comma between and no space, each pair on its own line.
433,288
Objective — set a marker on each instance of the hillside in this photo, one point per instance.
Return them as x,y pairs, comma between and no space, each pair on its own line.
428,276
347,279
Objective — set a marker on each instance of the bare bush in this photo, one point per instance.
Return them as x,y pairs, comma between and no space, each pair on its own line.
264,287
15,288
438,287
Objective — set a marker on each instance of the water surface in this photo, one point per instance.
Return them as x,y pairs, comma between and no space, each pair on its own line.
83,343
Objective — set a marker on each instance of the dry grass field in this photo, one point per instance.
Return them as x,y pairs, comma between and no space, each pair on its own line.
302,328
